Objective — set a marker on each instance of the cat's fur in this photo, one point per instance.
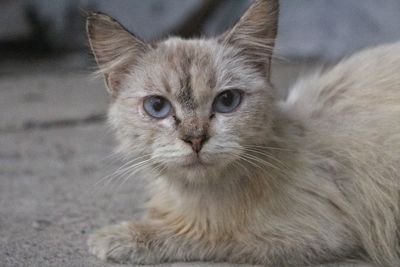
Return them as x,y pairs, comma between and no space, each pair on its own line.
312,179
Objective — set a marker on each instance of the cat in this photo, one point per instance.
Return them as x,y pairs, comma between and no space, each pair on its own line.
238,175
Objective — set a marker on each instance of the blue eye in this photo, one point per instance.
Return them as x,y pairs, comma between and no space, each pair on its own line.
227,101
157,107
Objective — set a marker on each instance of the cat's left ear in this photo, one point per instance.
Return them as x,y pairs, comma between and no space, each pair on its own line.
255,33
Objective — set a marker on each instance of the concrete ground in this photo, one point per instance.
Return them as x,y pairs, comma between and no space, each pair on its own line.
54,150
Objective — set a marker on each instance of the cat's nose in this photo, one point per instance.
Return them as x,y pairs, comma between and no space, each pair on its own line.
195,141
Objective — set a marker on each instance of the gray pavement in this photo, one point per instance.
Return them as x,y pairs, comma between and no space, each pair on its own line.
54,150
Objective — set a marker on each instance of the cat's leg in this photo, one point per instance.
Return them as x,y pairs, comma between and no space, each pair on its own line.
152,243
148,243
123,242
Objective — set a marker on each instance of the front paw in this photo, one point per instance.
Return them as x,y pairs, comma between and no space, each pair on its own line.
121,243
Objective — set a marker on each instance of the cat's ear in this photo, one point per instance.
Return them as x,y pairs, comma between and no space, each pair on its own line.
255,33
115,48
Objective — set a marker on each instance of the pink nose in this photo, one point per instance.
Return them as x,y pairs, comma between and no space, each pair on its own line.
195,141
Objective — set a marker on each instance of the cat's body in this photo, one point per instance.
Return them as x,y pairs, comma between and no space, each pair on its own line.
312,179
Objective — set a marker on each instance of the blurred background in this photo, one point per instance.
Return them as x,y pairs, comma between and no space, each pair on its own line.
309,29
54,145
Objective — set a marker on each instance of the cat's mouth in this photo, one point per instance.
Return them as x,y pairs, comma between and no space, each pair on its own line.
195,161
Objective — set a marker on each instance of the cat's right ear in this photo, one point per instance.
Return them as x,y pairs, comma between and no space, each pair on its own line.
115,49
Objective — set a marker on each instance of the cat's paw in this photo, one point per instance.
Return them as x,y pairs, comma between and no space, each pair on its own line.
120,243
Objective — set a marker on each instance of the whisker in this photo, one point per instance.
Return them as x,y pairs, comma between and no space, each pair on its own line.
269,148
105,181
131,170
269,156
113,156
253,160
141,167
261,161
240,156
134,172
122,168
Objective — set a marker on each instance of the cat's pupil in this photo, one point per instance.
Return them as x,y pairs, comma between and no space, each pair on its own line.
158,104
227,98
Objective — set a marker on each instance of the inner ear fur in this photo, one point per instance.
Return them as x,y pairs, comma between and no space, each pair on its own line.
255,33
114,48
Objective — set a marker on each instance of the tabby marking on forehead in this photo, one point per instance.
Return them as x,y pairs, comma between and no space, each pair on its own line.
194,68
185,94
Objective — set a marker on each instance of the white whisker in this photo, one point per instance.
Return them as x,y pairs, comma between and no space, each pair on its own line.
106,180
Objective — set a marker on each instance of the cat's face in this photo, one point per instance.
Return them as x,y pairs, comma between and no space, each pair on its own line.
189,106
192,105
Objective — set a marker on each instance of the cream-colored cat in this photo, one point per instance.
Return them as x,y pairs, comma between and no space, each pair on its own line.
239,176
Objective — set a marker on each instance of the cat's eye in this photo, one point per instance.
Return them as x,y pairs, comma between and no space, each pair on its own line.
157,107
227,101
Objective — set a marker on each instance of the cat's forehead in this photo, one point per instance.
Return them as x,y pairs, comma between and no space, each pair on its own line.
178,50
187,69
196,58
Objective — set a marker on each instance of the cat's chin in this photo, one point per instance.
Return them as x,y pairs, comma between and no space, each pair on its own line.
198,168
195,162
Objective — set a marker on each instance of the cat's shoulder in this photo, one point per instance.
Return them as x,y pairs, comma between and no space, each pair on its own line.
373,61
368,76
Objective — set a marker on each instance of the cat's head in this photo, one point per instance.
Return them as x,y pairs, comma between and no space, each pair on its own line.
191,107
